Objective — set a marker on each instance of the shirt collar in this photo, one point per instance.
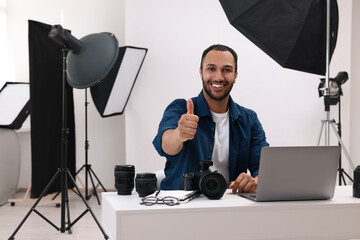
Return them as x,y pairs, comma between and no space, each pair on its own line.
202,109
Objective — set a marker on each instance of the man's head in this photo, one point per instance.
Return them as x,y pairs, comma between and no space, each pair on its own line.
222,48
218,71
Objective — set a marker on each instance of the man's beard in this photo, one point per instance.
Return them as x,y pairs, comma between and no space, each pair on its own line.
212,96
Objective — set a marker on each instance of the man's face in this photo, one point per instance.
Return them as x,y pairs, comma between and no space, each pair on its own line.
218,74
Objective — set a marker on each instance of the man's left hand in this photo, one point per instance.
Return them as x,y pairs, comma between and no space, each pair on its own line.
244,183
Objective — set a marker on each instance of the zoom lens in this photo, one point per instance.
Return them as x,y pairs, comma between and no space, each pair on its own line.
213,185
145,183
124,179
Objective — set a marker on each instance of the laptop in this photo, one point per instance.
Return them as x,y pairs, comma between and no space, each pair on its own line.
296,173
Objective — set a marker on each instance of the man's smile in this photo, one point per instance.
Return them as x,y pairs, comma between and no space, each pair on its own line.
217,86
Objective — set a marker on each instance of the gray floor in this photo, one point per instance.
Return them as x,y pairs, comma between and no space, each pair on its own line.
36,227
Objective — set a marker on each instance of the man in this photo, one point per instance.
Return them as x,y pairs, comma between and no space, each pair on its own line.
212,127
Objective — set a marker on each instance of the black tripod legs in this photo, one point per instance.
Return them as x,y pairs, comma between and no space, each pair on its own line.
87,210
342,177
36,203
64,173
89,172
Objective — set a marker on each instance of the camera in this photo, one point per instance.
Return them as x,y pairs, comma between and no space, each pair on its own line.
212,184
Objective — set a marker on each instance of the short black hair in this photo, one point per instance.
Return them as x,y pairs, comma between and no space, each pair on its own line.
219,47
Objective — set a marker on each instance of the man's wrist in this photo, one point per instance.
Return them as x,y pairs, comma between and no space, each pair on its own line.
177,136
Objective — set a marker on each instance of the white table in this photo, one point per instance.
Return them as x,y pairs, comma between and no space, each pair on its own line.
232,217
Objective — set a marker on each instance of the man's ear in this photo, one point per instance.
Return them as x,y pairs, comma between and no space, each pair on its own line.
200,71
236,74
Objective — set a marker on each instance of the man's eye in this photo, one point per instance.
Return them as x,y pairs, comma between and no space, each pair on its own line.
211,69
227,70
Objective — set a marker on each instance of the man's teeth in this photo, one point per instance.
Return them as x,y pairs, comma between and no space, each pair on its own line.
217,85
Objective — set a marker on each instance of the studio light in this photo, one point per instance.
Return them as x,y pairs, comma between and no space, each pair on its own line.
335,87
97,62
64,38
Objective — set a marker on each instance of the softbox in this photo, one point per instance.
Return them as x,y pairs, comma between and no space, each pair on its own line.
111,95
14,104
292,32
45,59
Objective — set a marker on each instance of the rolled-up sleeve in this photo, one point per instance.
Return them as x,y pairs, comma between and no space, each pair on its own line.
170,119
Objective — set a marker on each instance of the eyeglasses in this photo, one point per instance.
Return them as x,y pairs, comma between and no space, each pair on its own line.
151,200
168,200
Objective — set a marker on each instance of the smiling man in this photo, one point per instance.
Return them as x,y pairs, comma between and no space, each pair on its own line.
213,127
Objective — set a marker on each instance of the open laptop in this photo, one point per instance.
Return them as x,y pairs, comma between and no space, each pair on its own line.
296,173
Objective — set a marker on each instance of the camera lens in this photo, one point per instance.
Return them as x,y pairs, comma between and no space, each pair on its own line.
213,185
124,179
145,183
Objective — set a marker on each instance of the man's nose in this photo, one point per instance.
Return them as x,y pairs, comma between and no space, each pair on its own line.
219,75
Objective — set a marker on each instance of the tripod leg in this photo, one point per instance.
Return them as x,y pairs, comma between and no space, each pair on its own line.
97,179
36,203
57,194
321,129
87,205
342,145
79,170
67,205
348,176
341,177
93,189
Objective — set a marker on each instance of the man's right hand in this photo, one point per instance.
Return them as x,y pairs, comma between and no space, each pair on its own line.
172,139
187,124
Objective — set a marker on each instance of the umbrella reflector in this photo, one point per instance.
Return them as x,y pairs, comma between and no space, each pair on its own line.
292,32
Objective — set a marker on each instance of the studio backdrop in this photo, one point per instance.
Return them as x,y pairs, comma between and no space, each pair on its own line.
45,59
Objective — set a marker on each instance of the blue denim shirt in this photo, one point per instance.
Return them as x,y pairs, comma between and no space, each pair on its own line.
247,137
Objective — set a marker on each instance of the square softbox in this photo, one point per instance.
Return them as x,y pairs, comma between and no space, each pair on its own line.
14,104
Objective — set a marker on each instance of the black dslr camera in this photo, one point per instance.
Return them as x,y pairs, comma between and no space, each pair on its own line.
212,184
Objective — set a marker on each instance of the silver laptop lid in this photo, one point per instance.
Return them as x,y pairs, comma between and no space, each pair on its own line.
297,173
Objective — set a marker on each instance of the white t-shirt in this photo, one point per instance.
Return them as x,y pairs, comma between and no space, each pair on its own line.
220,156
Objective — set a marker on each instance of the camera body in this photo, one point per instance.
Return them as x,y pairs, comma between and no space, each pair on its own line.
212,184
356,184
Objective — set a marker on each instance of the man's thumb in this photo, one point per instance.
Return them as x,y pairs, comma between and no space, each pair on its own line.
190,106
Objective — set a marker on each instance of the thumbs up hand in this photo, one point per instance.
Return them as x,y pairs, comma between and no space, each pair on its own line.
187,124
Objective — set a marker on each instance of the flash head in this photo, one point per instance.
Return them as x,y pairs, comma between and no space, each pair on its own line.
64,38
341,78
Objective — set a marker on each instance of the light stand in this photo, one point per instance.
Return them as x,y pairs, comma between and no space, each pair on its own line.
64,172
327,101
88,170
340,169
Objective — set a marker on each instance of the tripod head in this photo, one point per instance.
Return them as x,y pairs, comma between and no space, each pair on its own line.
334,91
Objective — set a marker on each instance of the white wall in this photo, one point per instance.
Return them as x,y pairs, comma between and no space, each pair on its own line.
106,136
176,33
355,86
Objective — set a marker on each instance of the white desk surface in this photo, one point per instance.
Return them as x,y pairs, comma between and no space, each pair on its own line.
130,204
336,218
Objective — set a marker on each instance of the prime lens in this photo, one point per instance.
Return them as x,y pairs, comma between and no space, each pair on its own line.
145,183
124,179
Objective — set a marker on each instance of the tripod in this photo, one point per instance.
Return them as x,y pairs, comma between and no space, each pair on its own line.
62,172
88,170
327,123
329,100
